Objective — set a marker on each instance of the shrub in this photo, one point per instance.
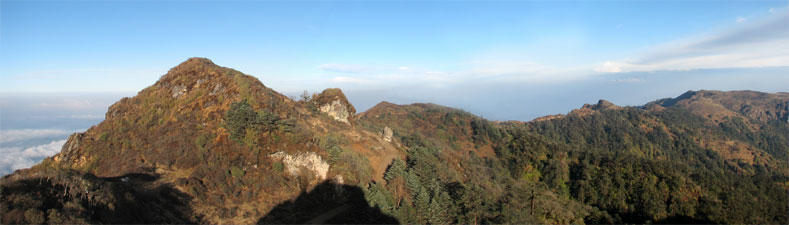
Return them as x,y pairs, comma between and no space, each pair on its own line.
236,172
278,166
35,216
201,141
238,118
241,118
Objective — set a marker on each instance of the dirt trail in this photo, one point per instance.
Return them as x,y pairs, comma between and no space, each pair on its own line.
380,156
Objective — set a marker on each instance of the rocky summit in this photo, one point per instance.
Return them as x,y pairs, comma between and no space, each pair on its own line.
209,144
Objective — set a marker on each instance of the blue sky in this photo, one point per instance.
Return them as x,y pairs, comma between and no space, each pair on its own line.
62,63
446,52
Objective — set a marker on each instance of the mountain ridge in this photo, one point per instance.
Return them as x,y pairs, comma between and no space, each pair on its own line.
221,147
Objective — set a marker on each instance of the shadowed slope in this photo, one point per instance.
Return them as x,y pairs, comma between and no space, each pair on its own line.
328,203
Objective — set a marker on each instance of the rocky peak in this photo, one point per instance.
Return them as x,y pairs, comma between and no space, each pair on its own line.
668,102
192,79
546,118
196,61
333,102
601,104
588,109
191,69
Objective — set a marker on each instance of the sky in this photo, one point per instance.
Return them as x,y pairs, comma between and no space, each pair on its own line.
62,63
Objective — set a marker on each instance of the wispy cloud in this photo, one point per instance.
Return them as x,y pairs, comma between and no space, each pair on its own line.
627,80
758,43
381,75
70,104
348,80
747,44
348,68
484,70
15,158
82,116
17,135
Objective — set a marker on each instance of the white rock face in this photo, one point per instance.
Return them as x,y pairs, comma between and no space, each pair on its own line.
178,90
387,134
308,160
339,179
338,110
217,89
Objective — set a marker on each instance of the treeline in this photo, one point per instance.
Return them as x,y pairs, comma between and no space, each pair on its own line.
426,188
641,166
614,166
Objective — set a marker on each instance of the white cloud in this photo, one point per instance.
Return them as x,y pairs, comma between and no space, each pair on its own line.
762,43
15,158
347,80
347,68
627,80
473,71
611,67
379,75
772,10
17,135
752,44
69,104
82,116
741,19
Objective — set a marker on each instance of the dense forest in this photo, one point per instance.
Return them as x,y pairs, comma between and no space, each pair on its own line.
601,168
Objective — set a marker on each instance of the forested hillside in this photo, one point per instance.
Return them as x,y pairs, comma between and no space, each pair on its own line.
208,144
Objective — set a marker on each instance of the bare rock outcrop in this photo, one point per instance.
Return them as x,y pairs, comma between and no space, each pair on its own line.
387,134
601,105
333,102
70,153
308,160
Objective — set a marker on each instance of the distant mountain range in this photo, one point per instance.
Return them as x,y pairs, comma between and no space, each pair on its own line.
209,144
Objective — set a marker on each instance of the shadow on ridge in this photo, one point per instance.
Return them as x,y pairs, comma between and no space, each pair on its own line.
71,197
328,203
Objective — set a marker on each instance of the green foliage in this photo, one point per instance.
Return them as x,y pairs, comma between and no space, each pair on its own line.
244,123
238,118
236,172
353,166
613,166
332,140
396,169
483,131
771,137
244,87
202,140
378,196
278,166
640,167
